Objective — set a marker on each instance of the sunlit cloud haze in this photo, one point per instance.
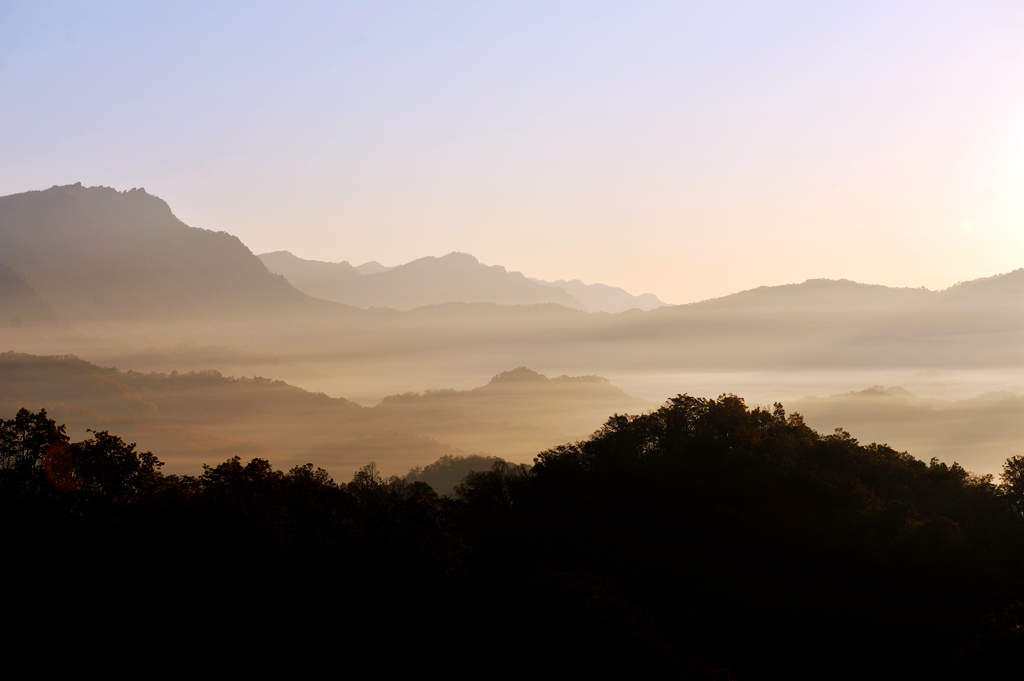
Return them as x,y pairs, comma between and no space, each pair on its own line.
687,149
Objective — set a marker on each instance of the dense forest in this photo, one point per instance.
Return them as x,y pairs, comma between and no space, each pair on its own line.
701,540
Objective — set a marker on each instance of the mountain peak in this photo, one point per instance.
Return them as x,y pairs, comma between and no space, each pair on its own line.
460,257
137,194
518,375
105,253
882,391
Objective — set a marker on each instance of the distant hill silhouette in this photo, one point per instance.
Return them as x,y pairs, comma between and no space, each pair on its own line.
100,253
1000,290
453,278
838,323
448,472
818,293
604,298
979,432
842,295
194,416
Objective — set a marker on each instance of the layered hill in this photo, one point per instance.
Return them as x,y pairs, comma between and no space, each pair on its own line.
453,278
197,417
980,432
99,253
103,255
605,298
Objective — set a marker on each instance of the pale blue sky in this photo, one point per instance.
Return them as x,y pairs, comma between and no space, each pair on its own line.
689,149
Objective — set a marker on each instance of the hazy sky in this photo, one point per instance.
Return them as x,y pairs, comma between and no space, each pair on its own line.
688,149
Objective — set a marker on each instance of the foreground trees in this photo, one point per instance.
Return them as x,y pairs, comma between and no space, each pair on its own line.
702,540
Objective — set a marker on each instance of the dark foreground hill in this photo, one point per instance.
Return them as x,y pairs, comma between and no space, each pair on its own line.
703,540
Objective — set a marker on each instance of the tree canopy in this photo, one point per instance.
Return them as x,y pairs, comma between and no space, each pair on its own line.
701,540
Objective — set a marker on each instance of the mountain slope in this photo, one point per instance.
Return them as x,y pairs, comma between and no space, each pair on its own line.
604,298
999,290
980,432
819,295
101,254
18,302
456,277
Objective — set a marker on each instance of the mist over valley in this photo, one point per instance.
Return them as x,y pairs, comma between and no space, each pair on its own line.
114,278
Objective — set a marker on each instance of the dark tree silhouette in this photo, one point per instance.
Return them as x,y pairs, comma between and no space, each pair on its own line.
701,540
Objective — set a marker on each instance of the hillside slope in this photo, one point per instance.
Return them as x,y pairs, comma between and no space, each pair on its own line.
453,278
201,416
99,253
19,304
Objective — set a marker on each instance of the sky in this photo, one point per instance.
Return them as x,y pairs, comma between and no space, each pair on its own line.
687,149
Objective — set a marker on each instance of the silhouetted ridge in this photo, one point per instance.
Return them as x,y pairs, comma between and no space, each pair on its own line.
524,375
1001,289
604,298
433,280
104,253
882,391
448,472
455,277
518,375
821,292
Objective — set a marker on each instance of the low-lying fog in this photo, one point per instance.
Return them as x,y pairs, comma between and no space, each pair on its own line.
975,417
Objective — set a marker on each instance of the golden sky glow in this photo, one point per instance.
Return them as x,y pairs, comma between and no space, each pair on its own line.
682,149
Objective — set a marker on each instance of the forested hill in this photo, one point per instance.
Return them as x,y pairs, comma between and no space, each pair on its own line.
702,540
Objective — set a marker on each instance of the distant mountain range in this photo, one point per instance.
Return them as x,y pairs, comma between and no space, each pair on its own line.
456,277
999,290
96,254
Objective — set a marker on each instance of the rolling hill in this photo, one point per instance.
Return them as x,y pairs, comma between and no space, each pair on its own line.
198,417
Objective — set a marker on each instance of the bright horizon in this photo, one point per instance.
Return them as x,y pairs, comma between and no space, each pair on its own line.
660,148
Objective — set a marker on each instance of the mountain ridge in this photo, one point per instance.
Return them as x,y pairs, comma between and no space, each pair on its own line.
105,253
431,280
136,234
